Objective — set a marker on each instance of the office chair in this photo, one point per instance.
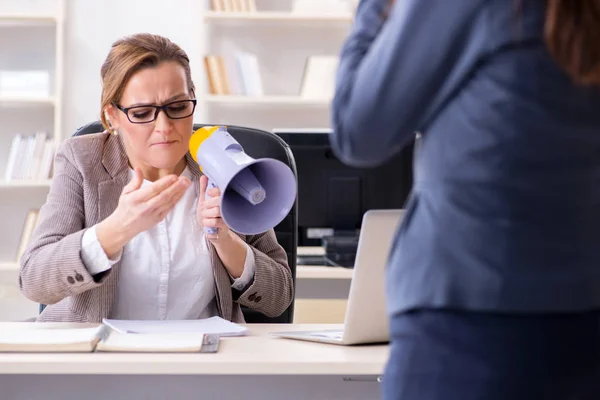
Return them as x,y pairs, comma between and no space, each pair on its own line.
257,144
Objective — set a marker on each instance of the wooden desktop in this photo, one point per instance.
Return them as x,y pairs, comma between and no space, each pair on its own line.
253,367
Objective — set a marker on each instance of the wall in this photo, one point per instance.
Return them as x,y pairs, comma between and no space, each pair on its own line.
281,47
91,28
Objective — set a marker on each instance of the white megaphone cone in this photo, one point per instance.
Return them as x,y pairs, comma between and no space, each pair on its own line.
256,195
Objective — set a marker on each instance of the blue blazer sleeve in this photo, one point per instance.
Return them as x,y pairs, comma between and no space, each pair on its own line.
395,72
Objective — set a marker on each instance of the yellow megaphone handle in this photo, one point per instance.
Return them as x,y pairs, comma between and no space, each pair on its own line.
198,138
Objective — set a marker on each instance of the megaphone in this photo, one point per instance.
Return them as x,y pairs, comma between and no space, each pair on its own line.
256,195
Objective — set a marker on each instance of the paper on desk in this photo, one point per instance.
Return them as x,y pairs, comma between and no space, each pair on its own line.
213,325
159,342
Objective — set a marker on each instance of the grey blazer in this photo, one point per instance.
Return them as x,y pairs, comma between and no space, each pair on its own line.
90,173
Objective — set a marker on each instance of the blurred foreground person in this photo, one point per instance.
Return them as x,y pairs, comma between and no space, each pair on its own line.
494,277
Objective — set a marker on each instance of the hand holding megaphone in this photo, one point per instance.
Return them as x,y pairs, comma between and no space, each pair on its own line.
255,195
209,211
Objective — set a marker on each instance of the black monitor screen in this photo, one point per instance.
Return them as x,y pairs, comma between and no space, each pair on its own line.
332,197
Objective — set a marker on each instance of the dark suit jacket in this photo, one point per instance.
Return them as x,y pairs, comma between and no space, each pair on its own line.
90,173
505,209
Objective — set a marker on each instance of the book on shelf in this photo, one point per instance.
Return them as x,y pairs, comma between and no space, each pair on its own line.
320,7
30,157
238,74
318,80
234,5
31,221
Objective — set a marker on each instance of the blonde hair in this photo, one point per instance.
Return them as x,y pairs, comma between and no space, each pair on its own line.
130,54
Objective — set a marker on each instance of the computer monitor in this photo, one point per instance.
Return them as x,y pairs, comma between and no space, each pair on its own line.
333,197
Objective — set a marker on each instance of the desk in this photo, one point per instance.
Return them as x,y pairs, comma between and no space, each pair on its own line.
318,282
248,368
321,292
320,272
13,305
321,282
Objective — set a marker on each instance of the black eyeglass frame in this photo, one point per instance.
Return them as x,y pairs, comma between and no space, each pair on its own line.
157,109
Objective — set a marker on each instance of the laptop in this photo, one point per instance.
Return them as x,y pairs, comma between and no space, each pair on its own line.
366,317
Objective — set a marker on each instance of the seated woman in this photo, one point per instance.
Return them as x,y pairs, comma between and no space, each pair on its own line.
121,234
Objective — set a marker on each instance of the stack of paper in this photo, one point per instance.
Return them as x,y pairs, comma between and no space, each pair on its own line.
30,157
214,325
159,343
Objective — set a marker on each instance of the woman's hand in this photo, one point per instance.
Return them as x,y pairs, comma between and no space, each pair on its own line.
230,248
139,209
209,212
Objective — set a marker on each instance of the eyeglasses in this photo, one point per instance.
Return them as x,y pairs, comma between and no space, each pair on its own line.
145,114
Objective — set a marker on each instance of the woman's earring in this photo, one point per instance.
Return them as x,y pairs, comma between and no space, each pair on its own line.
110,127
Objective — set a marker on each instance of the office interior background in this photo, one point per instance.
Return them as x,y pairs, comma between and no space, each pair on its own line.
267,64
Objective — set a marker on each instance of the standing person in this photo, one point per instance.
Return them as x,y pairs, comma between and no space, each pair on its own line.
493,282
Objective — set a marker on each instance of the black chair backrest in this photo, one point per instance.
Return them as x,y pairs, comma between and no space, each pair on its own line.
257,144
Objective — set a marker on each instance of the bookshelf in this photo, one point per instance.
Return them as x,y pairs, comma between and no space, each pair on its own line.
9,266
275,16
7,101
281,40
25,184
24,18
31,40
271,101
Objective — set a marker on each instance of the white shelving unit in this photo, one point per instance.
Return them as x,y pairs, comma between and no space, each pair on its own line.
31,38
19,18
282,41
9,266
27,101
25,184
271,101
277,16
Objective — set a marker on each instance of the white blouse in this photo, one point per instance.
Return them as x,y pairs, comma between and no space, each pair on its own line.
166,271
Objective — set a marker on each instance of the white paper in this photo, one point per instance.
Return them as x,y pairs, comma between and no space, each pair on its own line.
214,325
163,342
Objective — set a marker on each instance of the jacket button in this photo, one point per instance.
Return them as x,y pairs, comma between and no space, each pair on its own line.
257,299
70,280
79,278
252,297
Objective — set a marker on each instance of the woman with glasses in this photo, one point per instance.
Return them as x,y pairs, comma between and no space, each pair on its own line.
121,234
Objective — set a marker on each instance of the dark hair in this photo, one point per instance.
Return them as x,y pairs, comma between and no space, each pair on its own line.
131,54
572,35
